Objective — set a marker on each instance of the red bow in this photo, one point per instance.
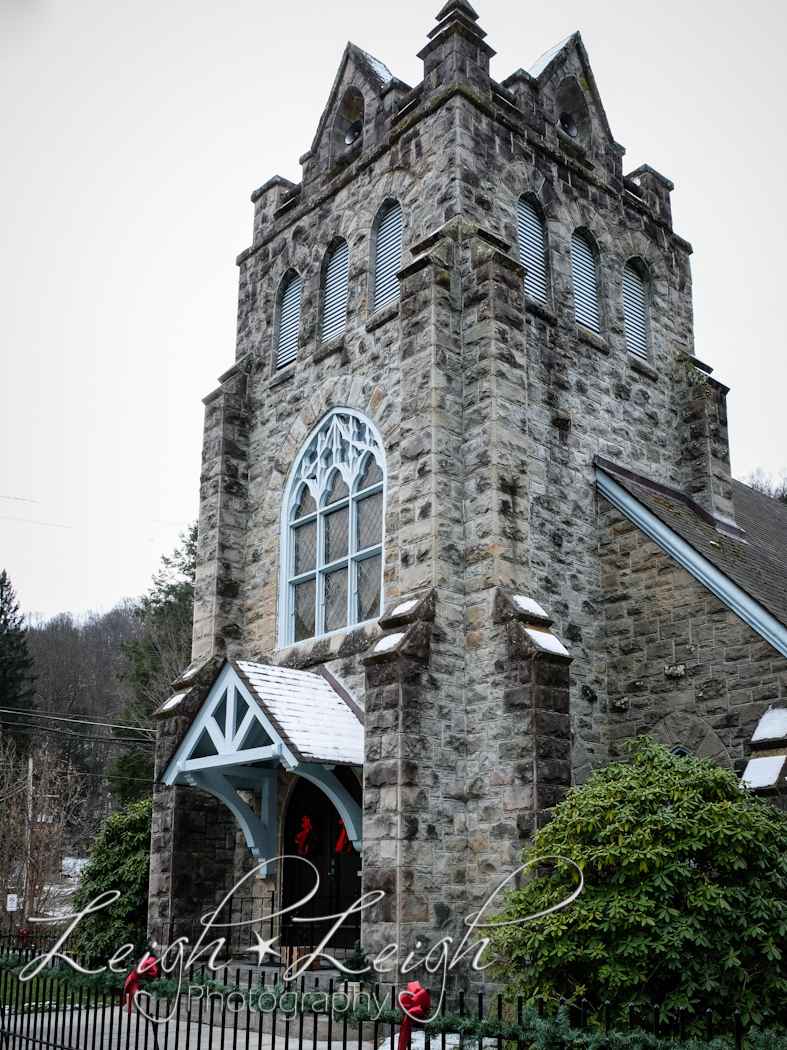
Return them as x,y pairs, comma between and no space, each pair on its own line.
343,843
146,967
304,837
415,1003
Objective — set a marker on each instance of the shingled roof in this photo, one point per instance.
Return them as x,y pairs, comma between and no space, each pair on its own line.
312,719
755,559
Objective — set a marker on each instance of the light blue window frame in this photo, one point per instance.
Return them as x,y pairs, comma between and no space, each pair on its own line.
344,443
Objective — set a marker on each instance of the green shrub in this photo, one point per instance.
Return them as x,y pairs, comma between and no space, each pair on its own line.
119,860
685,897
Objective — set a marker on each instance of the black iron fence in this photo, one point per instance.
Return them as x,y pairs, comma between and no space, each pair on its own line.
258,911
260,915
239,1011
36,938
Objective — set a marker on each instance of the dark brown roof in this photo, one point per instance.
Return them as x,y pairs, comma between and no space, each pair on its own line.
756,563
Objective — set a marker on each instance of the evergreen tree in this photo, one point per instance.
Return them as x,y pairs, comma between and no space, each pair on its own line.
155,658
16,681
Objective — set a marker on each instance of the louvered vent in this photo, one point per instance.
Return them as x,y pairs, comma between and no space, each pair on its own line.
583,270
634,312
532,251
335,311
389,257
290,323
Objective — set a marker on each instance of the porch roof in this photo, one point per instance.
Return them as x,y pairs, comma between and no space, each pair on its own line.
314,722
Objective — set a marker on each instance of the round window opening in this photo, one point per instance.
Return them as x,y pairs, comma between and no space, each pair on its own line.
566,123
681,752
354,132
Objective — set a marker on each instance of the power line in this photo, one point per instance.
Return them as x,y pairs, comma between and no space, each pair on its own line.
74,736
84,773
82,510
113,776
30,521
76,721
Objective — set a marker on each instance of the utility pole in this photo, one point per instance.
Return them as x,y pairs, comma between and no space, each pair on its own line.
29,845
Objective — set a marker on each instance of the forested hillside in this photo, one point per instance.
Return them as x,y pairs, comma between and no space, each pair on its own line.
77,695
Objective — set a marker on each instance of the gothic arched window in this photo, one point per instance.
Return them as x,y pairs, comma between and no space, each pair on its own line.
289,319
332,530
583,271
387,255
533,250
334,307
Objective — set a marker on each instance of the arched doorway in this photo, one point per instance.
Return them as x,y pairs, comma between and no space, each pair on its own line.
314,830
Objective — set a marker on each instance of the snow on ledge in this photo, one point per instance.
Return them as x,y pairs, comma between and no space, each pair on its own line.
386,644
173,701
772,725
405,607
547,641
529,605
763,772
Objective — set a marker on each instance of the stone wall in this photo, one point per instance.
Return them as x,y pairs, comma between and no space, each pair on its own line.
679,664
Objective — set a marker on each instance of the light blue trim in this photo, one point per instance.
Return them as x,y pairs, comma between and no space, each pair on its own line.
221,774
348,808
286,542
260,835
733,596
227,754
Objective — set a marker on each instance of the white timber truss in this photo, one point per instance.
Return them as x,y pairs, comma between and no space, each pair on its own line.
256,718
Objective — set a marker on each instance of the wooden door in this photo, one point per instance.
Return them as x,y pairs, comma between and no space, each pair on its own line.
313,829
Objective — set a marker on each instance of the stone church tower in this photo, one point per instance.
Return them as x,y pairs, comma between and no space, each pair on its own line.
467,487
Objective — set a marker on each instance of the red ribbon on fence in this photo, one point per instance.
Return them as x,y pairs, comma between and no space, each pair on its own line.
415,1003
146,967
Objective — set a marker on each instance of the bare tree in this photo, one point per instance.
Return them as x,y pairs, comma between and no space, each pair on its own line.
79,664
762,481
39,804
78,661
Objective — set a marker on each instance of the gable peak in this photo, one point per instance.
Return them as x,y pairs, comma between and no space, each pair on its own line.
371,64
549,56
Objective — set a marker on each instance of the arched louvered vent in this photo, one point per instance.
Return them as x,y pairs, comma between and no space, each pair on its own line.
583,271
634,312
289,323
388,258
532,251
335,309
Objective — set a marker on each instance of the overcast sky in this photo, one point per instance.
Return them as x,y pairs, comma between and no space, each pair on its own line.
132,134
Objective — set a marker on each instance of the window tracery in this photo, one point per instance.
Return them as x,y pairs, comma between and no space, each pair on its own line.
334,530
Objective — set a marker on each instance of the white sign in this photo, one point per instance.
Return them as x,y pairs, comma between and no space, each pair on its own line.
12,902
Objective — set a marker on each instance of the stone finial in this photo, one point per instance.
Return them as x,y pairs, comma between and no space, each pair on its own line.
461,16
456,48
457,5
